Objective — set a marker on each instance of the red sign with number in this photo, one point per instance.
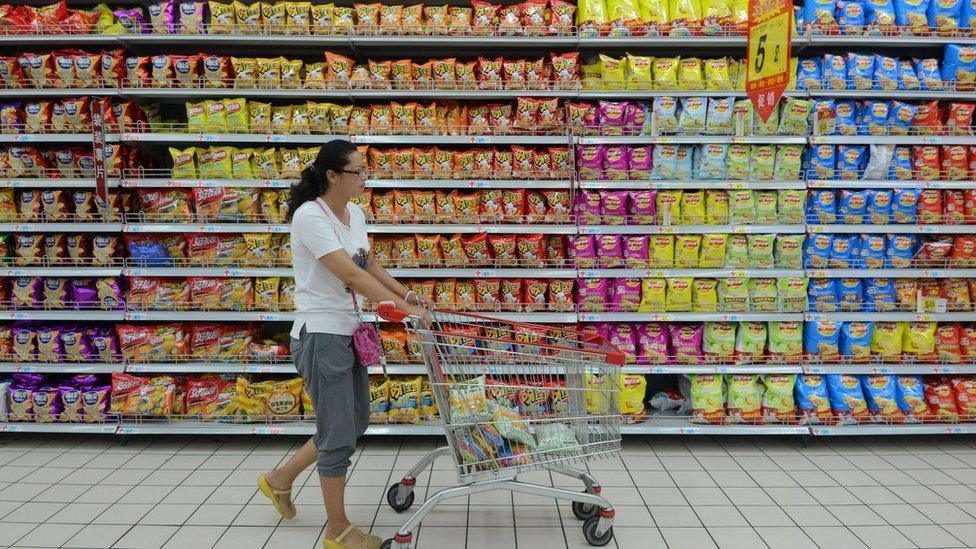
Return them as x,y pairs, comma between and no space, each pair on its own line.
768,63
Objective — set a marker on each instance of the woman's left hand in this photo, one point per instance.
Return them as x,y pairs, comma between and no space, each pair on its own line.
421,301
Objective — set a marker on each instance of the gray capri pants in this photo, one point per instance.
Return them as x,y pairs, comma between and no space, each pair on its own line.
339,388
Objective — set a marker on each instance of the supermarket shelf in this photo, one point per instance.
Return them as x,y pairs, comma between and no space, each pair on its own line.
316,139
137,183
649,94
61,367
669,425
891,273
468,183
60,227
221,137
64,314
45,182
450,228
902,95
690,184
204,228
693,229
906,429
46,40
688,317
19,93
886,184
893,317
62,271
693,139
333,41
693,273
60,428
205,271
202,367
458,139
46,138
182,94
894,369
536,318
678,42
888,41
206,316
713,369
490,95
893,228
893,140
164,427
482,272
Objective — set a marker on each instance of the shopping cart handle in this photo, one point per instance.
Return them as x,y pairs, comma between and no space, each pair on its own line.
387,311
615,357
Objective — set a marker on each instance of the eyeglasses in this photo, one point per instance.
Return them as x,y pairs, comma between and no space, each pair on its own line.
361,172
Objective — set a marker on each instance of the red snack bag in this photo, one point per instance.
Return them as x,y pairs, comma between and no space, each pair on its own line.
484,17
513,205
561,162
967,340
500,115
956,293
549,113
484,165
510,294
562,17
489,73
565,69
537,74
953,207
522,160
929,287
929,209
503,248
948,342
964,391
202,248
926,120
487,293
531,250
959,117
536,294
476,248
125,385
535,206
535,17
504,162
558,207
955,162
510,20
491,205
204,340
526,112
555,250
561,294
938,394
540,164
969,205
926,162
513,72
963,252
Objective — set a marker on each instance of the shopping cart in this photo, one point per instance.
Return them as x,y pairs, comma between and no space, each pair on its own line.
515,397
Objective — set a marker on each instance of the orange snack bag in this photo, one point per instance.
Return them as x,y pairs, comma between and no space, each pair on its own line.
429,250
503,249
466,207
513,205
535,206
531,250
491,208
476,249
405,251
384,208
510,294
452,249
403,206
424,205
487,293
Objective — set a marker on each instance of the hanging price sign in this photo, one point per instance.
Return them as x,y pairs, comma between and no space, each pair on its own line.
768,64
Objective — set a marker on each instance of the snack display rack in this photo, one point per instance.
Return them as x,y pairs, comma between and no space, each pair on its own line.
366,45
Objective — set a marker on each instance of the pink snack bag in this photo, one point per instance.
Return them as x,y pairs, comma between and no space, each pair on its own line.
589,161
686,340
634,118
610,251
626,295
613,207
639,162
592,294
623,337
612,117
636,250
643,207
583,250
588,205
652,343
615,162
599,328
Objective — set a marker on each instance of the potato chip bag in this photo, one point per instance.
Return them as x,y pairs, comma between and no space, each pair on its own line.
941,402
911,398
918,340
887,339
704,295
679,296
716,207
778,404
707,398
744,398
847,398
761,251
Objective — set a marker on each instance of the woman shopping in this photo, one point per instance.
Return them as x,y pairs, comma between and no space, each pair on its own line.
334,271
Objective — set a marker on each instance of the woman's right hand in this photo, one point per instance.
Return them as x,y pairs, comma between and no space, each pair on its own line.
421,312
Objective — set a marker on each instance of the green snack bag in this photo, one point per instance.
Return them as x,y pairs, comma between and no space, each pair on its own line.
716,207
792,294
762,295
786,340
743,117
744,398
795,117
742,207
737,161
733,295
778,404
769,127
791,205
737,252
750,342
766,202
707,398
763,162
789,160
719,339
789,251
761,251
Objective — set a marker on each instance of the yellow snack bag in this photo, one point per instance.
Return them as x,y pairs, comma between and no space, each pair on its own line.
686,250
241,163
264,163
653,295
245,72
716,207
274,16
704,295
693,208
665,70
886,339
639,72
259,116
184,163
733,295
236,115
763,294
258,248
716,16
298,15
216,116
654,14
248,17
221,18
281,119
196,117
919,339
379,399
266,293
405,400
270,398
632,389
690,74
679,295
661,252
717,74
291,73
712,255
613,71
596,401
321,18
686,17
268,206
668,204
707,396
299,119
315,76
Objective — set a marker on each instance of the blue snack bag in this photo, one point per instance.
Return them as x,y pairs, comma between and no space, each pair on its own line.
879,207
900,117
879,295
821,338
855,339
842,254
907,78
834,69
885,72
817,251
945,15
821,162
872,252
904,205
809,75
901,250
850,160
820,17
880,394
150,254
860,71
850,292
879,16
910,395
847,398
968,16
845,113
823,207
901,167
929,74
911,16
684,162
850,17
822,295
812,400
875,118
959,64
853,206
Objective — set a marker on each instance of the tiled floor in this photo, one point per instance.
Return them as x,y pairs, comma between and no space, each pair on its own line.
687,492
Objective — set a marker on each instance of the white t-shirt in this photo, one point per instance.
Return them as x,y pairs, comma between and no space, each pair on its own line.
323,304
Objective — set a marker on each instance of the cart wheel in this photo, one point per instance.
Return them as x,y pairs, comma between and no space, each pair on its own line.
391,498
589,532
387,544
584,511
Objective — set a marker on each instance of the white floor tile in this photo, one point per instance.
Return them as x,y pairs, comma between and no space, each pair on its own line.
49,535
214,514
687,537
78,513
834,536
195,536
638,538
244,537
736,537
290,538
881,537
785,537
930,537
33,512
97,536
146,537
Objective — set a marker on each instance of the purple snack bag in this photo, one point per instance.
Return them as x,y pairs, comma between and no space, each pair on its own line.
623,337
592,294
28,380
612,117
25,344
85,295
47,404
610,251
71,409
109,293
49,347
613,207
583,250
161,17
132,20
84,380
25,291
105,344
686,340
20,403
652,343
615,162
589,160
636,251
639,162
94,402
643,207
588,208
634,118
626,295
74,341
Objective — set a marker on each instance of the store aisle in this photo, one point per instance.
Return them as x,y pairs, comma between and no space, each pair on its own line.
669,492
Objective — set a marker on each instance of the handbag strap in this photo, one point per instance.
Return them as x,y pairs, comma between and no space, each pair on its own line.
328,211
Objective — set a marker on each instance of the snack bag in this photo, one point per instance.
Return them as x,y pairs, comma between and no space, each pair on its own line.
719,339
707,398
911,398
918,341
939,396
847,398
745,398
821,339
812,400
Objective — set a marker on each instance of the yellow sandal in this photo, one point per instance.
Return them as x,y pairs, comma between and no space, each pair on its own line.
287,511
369,542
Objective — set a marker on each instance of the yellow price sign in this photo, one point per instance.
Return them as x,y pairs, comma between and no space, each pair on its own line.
768,63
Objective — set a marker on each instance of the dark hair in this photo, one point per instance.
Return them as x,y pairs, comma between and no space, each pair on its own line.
333,156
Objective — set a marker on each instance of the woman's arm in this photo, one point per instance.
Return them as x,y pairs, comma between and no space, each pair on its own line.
365,283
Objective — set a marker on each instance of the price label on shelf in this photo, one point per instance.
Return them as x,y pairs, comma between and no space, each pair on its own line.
956,430
768,54
932,140
479,184
274,138
485,274
24,228
134,316
22,138
127,430
689,430
266,430
479,140
131,137
25,368
206,137
822,430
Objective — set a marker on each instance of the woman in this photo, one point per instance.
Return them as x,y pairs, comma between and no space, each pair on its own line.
333,266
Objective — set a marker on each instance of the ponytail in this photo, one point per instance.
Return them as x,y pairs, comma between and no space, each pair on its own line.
333,156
